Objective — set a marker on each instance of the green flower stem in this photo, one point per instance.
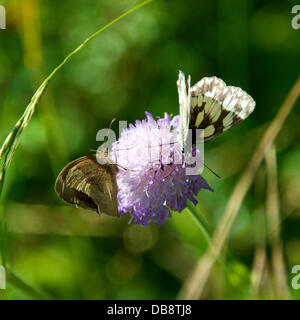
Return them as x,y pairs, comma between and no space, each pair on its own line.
202,224
199,221
14,280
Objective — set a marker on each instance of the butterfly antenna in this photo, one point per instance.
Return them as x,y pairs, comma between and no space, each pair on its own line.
107,135
212,171
106,138
112,122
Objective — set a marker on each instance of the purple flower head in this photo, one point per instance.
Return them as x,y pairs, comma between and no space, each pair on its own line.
150,181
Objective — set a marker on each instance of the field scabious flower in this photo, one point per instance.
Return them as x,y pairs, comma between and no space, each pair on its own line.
150,182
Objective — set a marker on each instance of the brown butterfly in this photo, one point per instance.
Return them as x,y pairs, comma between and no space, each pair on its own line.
89,184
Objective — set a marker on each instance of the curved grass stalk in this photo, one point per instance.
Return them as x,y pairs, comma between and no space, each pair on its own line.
12,140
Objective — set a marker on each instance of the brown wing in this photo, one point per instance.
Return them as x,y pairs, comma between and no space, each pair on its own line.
89,185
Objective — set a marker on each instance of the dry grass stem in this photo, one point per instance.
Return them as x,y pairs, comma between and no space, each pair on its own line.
195,283
273,216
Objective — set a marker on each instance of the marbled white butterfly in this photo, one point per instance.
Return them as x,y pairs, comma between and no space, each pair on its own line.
210,105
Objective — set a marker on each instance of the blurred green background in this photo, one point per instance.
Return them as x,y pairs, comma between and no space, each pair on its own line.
69,253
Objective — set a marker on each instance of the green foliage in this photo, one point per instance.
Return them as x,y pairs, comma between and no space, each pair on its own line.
61,252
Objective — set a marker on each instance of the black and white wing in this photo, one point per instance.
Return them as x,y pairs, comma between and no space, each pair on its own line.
184,96
216,107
